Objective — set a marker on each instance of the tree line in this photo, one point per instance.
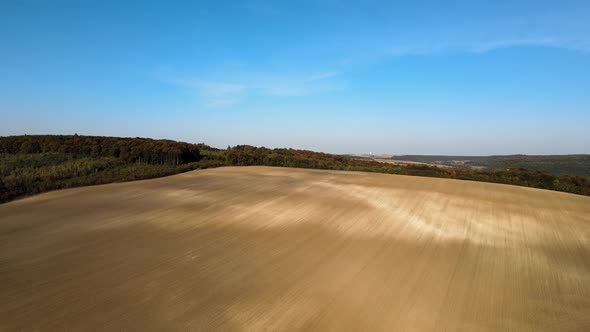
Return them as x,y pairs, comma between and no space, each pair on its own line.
244,155
37,163
31,164
144,150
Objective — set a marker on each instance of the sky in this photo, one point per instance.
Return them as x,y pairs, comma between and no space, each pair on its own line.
399,77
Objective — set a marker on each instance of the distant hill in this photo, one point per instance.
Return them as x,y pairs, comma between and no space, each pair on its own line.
575,164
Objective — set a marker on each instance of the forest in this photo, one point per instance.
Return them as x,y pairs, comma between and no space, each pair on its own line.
32,164
573,164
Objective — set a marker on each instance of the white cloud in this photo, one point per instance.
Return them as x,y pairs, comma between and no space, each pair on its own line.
231,90
298,85
505,43
320,76
476,46
219,94
214,93
558,29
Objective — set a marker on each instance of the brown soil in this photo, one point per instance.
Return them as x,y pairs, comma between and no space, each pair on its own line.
258,248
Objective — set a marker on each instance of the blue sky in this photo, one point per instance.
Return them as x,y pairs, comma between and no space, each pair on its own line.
415,77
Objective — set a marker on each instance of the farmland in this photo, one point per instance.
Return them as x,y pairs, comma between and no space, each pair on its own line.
251,248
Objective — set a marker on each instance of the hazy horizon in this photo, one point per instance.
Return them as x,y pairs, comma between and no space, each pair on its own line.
467,78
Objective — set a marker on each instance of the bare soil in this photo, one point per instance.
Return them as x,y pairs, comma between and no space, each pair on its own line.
259,248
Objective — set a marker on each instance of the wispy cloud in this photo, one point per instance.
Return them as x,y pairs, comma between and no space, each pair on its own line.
230,90
559,29
320,76
540,41
219,94
228,84
297,85
482,45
